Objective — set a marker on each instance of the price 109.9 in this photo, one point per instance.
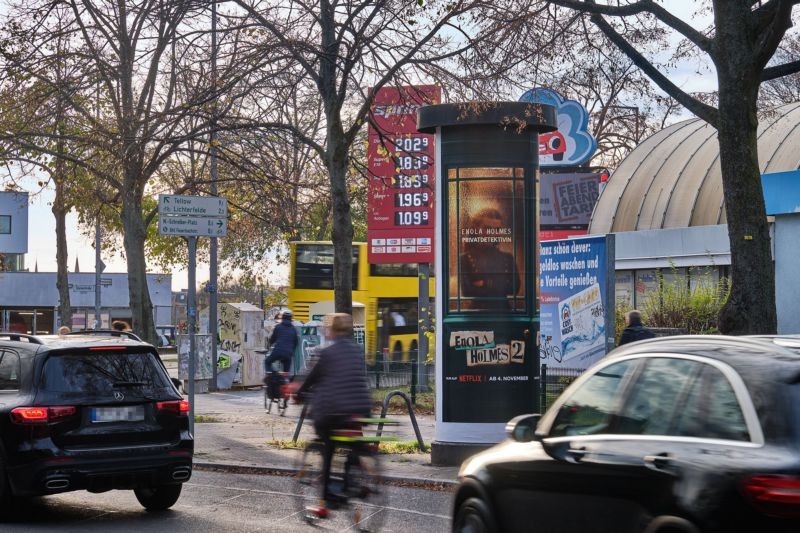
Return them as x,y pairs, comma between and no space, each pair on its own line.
411,218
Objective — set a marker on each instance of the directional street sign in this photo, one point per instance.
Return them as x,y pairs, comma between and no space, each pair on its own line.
192,216
193,226
195,206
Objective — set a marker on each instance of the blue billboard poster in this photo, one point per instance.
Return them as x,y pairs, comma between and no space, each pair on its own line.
576,296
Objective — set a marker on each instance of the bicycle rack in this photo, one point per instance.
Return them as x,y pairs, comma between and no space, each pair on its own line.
403,395
300,422
386,400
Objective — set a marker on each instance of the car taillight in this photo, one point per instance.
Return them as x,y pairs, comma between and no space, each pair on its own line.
177,407
41,415
773,494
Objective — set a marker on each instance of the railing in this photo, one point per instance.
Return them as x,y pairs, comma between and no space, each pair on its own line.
404,371
553,382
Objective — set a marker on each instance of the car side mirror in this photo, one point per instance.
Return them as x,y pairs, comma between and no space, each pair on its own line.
522,428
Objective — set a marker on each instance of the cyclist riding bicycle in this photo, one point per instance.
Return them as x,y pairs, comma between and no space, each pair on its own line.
284,341
338,388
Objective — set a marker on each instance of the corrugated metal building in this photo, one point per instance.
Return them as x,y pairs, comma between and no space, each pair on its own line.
665,205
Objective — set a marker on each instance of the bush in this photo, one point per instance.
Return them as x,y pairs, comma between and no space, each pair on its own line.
675,305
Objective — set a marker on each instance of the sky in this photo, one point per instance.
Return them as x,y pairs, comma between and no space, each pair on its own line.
41,229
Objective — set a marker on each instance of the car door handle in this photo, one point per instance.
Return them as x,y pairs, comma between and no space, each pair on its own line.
576,453
657,462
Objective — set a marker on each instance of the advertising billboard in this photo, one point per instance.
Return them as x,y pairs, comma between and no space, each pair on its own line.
572,144
577,301
400,208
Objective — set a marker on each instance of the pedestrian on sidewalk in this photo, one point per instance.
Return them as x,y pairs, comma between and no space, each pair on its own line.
635,330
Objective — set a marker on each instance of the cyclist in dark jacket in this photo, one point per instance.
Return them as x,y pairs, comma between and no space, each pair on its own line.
635,330
338,387
283,341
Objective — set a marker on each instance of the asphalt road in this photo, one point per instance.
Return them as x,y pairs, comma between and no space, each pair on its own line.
213,501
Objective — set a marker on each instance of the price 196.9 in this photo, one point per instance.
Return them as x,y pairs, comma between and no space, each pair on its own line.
412,199
411,218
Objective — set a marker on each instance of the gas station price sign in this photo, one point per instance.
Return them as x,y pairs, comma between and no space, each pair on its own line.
401,170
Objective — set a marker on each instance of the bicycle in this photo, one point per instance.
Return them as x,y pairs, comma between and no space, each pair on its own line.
356,477
276,391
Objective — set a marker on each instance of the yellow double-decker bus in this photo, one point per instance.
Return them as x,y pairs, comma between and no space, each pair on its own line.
384,297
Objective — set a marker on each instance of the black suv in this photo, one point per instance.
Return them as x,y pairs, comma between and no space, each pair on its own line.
90,411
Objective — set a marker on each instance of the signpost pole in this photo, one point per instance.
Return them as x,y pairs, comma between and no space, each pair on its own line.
212,283
424,324
98,269
191,311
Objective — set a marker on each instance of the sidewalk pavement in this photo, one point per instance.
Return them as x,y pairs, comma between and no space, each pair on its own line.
235,431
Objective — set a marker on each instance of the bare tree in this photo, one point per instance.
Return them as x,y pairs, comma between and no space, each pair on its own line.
743,38
132,110
339,50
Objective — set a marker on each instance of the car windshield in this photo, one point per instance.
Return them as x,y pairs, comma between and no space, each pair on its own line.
103,373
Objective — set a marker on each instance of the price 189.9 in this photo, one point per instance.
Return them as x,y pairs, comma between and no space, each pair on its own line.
412,162
411,218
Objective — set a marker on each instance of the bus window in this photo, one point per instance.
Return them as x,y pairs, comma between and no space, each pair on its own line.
313,268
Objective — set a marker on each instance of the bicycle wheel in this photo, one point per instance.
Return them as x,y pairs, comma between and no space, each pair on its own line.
368,496
308,481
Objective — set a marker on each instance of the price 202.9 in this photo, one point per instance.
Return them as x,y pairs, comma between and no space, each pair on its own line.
412,144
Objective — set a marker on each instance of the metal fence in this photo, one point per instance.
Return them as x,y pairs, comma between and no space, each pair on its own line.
401,373
554,381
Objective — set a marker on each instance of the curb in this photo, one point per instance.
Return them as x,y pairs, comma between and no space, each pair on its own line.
390,479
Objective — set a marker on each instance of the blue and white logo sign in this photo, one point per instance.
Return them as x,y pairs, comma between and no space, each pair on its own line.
571,144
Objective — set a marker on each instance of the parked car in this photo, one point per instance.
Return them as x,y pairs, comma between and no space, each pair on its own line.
93,411
673,434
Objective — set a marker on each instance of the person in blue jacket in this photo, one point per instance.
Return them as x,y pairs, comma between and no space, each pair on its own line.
283,341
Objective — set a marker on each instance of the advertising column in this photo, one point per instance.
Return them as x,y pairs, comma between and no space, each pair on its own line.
486,265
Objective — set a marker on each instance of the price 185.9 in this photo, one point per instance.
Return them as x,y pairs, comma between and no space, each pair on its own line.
411,218
409,181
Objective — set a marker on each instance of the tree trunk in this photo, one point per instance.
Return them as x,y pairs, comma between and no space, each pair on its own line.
342,229
134,237
62,275
751,306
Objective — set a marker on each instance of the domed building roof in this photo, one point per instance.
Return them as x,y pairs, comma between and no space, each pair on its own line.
672,179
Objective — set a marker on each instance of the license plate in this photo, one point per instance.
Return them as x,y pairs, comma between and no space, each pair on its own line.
134,413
